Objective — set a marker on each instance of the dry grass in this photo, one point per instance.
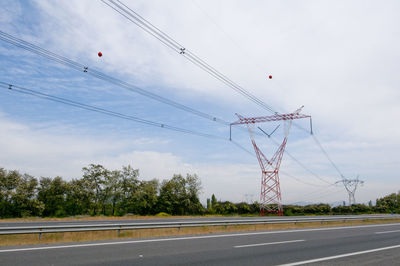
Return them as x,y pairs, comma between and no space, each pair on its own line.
26,239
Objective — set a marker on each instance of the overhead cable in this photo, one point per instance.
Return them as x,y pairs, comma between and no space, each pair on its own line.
102,110
319,194
258,66
301,164
80,67
141,22
327,156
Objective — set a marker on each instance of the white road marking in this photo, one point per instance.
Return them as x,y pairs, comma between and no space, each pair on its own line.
195,237
340,256
387,232
271,243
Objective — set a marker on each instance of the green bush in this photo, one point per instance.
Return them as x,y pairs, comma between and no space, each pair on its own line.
163,214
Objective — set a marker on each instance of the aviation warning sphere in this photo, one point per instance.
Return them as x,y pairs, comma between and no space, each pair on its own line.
270,76
100,54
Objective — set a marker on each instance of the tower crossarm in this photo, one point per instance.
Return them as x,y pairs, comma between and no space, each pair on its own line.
277,117
262,119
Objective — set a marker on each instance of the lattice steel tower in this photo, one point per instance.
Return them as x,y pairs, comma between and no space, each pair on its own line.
351,187
270,196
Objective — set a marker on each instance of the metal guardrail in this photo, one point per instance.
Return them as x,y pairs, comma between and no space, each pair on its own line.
40,229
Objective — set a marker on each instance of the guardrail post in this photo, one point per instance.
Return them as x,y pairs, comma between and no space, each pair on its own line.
119,230
40,234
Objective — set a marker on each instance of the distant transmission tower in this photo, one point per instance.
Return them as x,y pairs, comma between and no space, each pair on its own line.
351,187
270,198
249,198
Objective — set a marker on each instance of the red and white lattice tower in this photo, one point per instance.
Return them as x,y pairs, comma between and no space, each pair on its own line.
270,198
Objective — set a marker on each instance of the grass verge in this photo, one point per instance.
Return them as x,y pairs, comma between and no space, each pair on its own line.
47,238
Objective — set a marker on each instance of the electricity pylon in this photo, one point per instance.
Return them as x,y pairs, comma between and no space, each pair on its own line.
249,198
270,196
351,186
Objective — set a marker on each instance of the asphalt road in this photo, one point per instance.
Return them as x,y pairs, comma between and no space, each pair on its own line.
358,245
91,222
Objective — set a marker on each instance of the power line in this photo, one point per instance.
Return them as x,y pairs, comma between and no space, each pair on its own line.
92,108
258,66
97,74
301,181
327,156
233,41
82,68
301,164
319,194
103,111
138,20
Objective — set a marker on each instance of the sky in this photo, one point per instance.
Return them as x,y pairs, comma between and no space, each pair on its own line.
339,59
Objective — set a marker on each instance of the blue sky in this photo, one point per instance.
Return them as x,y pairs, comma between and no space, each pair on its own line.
338,59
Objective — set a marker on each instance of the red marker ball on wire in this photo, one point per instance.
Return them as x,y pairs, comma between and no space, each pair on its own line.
270,76
100,54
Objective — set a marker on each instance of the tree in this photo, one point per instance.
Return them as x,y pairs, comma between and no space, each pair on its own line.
114,189
53,193
8,184
129,184
172,196
389,203
146,197
243,208
179,195
360,208
23,197
94,178
193,189
225,207
213,201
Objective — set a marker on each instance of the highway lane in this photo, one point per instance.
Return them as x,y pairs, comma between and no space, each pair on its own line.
311,246
382,257
113,221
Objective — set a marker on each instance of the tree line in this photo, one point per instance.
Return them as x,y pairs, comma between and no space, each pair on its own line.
98,192
119,192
